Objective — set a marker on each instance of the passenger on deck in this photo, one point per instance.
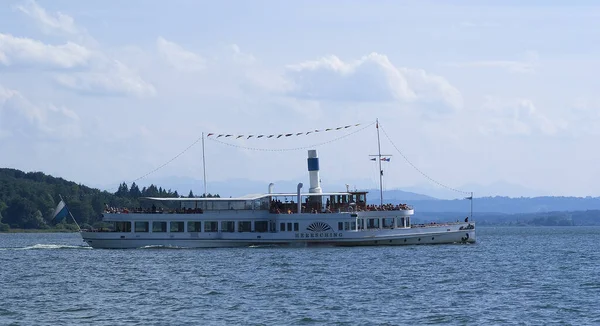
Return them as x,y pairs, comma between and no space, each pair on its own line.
466,219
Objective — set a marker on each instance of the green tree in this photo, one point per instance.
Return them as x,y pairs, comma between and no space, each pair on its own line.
123,190
3,227
134,191
35,221
19,212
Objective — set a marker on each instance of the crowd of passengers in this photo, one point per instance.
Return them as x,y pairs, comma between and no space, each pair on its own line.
152,210
277,207
388,207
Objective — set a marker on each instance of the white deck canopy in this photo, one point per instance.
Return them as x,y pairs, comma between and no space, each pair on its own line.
252,196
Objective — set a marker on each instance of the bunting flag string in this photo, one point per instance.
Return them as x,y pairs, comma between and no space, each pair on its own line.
237,136
213,135
215,139
383,159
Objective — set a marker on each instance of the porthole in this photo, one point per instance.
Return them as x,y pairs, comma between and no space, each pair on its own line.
432,238
419,239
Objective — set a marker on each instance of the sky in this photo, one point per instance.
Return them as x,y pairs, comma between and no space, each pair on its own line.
496,97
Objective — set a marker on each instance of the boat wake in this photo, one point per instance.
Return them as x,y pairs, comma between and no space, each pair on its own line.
161,247
46,247
264,246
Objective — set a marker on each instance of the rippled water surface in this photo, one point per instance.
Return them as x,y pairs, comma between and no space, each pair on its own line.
536,276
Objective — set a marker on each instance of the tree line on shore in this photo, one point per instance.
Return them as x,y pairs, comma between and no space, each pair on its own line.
28,200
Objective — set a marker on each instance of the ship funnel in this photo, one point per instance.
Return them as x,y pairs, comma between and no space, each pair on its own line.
313,172
299,199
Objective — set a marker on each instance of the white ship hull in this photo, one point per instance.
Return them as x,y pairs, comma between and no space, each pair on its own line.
443,234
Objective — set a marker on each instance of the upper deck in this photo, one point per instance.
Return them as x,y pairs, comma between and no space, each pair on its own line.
275,203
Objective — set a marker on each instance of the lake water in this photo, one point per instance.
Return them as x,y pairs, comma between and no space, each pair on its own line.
528,276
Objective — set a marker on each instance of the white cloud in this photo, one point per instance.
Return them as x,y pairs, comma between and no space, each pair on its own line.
116,79
432,88
241,57
57,23
179,58
98,72
254,75
516,117
373,78
21,118
25,52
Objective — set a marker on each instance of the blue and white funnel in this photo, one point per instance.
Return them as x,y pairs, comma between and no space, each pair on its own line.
313,172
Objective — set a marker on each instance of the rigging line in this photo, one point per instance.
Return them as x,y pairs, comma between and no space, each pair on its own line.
171,160
295,148
421,172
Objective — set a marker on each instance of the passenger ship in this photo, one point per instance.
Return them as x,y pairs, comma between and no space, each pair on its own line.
309,218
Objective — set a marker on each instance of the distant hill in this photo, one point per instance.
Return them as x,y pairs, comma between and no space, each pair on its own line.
396,195
507,205
563,218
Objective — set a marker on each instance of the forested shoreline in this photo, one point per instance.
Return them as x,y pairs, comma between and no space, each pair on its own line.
28,200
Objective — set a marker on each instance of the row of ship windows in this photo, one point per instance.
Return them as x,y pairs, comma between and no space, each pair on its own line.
249,226
375,223
209,226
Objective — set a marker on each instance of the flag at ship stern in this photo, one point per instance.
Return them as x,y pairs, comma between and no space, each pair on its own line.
60,212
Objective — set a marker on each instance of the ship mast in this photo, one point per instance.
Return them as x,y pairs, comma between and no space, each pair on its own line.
379,159
203,164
